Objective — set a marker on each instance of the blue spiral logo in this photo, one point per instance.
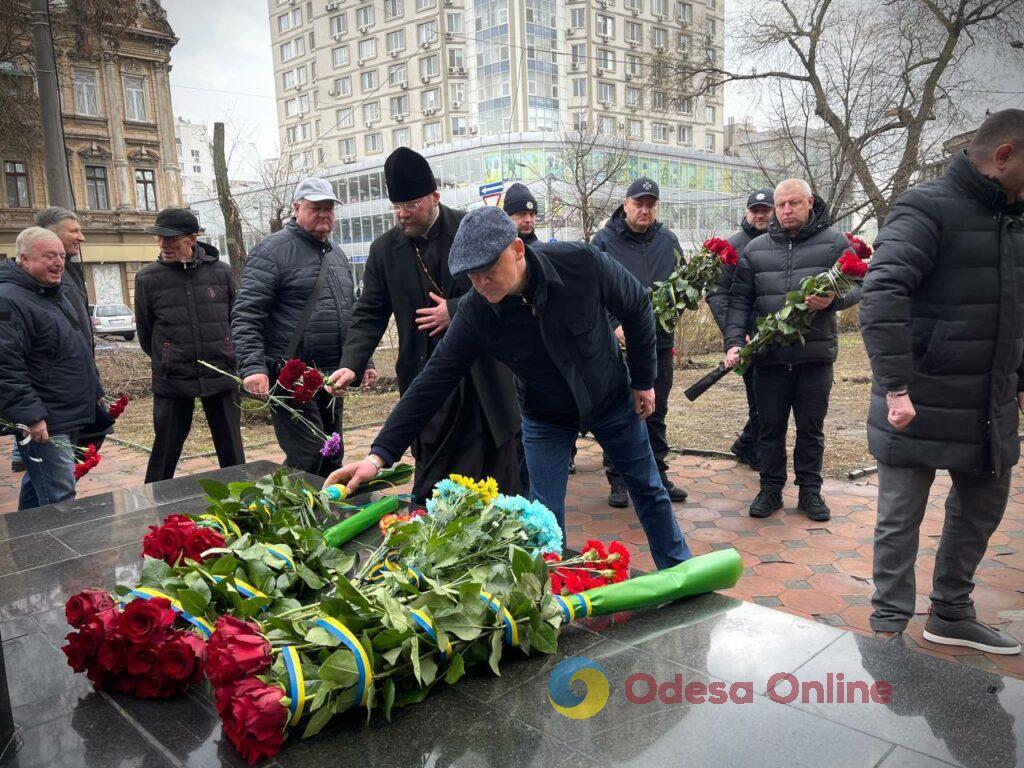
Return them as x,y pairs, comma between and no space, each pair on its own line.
567,701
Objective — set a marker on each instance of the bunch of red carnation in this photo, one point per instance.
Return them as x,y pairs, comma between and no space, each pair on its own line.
117,408
177,537
300,379
723,249
596,566
861,248
90,459
853,265
251,711
135,650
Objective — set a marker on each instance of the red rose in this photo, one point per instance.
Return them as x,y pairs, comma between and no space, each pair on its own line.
150,687
852,265
236,649
861,248
142,619
111,653
86,604
177,658
172,537
79,651
198,646
100,678
290,373
95,630
200,540
253,717
141,659
151,546
723,249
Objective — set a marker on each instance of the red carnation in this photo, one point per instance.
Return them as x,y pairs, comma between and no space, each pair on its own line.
291,372
142,620
312,380
118,407
200,540
593,545
861,248
253,717
86,604
236,649
852,265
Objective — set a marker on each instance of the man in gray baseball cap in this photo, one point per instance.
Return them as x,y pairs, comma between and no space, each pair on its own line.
543,312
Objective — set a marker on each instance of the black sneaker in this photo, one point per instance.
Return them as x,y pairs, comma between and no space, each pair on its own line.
766,504
572,466
812,505
618,497
675,493
746,455
17,465
969,633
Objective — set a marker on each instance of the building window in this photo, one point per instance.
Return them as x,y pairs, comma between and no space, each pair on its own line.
684,12
430,66
86,97
346,148
194,154
683,43
579,87
634,32
16,182
579,121
371,112
96,187
342,86
197,169
368,81
460,126
431,133
145,190
632,97
393,9
343,117
605,25
658,100
339,56
399,106
426,33
456,58
293,48
660,8
401,137
364,16
289,21
711,28
659,38
605,59
607,125
422,5
606,93
339,25
659,132
686,105
453,22
293,77
635,129
634,5
373,143
456,92
134,98
709,115
398,74
709,142
367,49
579,54
395,41
577,18
632,65
429,99
684,135
296,106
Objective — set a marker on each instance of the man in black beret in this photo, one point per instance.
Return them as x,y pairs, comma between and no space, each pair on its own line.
407,275
521,206
544,313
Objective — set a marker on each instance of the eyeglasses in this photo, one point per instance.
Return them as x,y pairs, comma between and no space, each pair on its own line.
407,207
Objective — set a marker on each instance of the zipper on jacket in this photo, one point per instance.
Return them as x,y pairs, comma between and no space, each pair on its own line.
167,356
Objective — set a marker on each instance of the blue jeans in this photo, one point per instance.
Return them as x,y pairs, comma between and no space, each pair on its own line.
49,472
623,436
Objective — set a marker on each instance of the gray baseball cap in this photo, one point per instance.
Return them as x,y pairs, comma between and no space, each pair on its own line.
314,190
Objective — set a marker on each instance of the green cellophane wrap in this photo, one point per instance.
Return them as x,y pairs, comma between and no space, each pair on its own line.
697,576
365,518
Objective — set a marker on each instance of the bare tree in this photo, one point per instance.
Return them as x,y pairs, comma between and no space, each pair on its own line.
228,206
593,169
886,79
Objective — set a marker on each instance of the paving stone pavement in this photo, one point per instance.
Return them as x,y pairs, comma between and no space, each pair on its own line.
815,570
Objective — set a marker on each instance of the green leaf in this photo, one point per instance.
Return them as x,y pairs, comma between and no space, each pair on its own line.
392,656
414,653
216,491
428,669
317,722
456,669
193,601
495,655
544,638
311,579
340,669
154,571
389,698
320,636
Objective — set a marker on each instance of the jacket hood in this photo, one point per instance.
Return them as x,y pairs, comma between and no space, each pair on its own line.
10,272
989,192
617,224
820,219
749,228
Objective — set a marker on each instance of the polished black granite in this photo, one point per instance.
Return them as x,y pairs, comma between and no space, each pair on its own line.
939,713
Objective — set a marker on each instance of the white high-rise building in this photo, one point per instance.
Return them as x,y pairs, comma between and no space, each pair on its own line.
195,159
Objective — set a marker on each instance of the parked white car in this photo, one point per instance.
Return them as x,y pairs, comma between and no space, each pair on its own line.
114,319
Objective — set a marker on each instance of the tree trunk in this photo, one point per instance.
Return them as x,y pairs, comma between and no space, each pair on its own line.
228,206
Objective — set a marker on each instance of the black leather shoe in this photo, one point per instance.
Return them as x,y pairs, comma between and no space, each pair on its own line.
675,493
766,504
618,497
746,456
812,505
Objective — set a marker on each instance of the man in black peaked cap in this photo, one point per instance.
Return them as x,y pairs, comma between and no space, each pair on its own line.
407,275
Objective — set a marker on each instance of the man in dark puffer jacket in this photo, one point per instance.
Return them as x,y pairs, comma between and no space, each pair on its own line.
942,321
754,223
183,315
279,277
799,243
647,249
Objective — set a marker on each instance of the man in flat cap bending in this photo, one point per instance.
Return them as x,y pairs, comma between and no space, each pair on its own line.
544,313
473,430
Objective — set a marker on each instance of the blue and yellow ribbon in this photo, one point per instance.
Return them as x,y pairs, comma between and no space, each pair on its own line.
225,525
424,622
243,588
148,593
511,628
363,667
280,554
574,606
296,683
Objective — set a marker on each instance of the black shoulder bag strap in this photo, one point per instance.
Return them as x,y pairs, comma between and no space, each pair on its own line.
307,311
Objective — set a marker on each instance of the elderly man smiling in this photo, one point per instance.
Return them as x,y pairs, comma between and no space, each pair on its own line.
48,383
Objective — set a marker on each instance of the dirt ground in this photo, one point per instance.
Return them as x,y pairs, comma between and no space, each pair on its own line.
711,423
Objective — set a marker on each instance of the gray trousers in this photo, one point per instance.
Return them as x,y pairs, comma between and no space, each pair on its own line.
974,507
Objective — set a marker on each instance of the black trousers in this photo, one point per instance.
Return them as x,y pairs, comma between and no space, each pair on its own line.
301,447
747,441
656,429
803,389
172,421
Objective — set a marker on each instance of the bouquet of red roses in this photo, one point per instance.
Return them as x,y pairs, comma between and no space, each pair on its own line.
595,566
690,280
135,650
179,537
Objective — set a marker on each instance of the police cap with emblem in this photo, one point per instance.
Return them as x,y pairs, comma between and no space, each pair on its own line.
643,187
518,199
761,197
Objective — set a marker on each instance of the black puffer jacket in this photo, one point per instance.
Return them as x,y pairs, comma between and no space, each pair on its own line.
718,296
46,365
943,315
773,264
277,280
650,256
183,315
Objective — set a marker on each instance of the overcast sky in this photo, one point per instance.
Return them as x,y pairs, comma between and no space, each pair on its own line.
222,67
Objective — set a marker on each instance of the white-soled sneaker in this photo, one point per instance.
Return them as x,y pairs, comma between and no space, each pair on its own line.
969,633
